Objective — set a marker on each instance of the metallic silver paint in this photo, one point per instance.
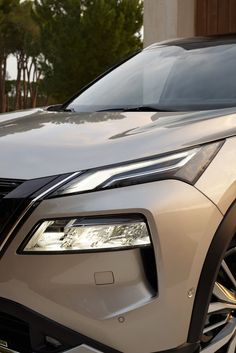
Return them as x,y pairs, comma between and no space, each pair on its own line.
219,180
63,287
83,349
31,204
39,143
123,311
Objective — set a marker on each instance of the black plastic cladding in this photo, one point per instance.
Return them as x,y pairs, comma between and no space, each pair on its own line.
8,185
40,327
220,243
16,202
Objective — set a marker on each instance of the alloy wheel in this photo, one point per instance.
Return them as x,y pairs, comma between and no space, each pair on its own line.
219,334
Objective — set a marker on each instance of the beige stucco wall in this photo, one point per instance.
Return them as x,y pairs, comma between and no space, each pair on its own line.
166,19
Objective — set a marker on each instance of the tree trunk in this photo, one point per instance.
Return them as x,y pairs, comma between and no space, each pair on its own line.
7,103
30,89
18,83
34,85
34,97
24,87
3,64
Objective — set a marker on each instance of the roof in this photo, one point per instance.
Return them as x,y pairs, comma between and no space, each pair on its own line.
197,42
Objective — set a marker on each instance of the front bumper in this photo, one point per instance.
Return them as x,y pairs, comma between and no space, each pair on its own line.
23,328
129,315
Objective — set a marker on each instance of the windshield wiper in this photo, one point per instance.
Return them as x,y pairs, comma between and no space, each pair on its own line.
146,108
141,108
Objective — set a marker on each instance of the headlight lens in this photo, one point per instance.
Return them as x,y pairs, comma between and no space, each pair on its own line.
186,165
73,235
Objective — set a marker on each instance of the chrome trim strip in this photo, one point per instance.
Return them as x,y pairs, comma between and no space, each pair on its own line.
6,350
83,349
154,171
46,192
91,181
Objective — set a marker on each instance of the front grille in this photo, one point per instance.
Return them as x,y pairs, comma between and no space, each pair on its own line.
14,334
26,331
8,206
8,185
18,336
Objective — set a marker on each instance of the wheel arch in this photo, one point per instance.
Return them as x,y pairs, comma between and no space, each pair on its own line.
221,240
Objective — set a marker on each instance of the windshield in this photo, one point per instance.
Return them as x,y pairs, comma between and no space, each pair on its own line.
166,78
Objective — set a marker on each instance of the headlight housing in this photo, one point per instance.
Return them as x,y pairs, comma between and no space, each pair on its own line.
87,235
185,165
114,233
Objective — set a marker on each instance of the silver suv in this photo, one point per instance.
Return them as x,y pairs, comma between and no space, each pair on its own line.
118,212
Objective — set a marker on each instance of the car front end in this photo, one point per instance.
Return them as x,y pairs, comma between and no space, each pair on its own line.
111,226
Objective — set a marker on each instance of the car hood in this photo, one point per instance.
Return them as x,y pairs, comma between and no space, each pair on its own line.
37,143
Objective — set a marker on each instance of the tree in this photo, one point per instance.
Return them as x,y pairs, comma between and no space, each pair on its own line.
8,9
28,54
82,38
19,35
61,45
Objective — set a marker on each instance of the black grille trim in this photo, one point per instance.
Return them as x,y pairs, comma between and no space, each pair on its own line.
15,333
34,327
18,204
8,185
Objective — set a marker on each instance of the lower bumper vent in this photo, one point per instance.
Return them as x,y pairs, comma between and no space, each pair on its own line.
14,334
25,331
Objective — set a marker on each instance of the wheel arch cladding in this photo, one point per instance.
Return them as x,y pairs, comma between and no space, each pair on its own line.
222,238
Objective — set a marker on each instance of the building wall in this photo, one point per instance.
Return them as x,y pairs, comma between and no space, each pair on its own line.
165,19
215,16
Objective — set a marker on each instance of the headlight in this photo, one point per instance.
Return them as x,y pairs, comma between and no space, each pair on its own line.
88,234
187,165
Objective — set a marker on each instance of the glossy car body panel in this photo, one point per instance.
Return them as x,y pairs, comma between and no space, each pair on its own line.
219,180
106,301
42,143
63,288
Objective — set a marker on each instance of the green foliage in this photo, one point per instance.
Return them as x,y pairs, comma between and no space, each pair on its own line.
28,32
61,45
8,30
82,38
